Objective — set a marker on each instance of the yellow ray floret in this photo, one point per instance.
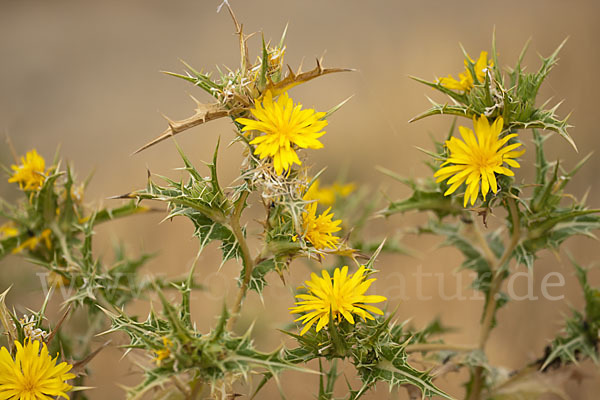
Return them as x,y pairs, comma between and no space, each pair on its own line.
327,195
30,174
478,158
319,229
465,79
33,374
285,127
8,230
33,241
337,297
163,353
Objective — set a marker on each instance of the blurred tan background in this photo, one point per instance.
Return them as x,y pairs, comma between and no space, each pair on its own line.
84,75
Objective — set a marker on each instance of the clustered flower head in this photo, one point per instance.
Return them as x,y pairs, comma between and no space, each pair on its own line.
285,127
319,229
56,280
33,241
327,195
477,159
465,80
164,353
8,230
33,374
337,297
30,175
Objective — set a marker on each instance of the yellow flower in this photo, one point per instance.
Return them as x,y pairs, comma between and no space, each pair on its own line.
343,295
477,158
326,195
319,230
33,241
30,174
465,80
56,280
77,193
8,230
164,353
343,190
33,374
285,128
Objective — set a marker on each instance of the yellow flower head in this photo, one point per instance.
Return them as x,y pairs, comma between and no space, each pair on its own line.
326,195
8,230
33,241
33,374
285,127
30,174
465,79
477,158
342,295
57,280
163,353
319,229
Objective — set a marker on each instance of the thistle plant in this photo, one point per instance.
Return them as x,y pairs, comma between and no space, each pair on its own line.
338,318
33,373
538,215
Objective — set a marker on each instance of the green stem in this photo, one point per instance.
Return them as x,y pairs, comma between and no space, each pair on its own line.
491,305
490,310
196,386
247,260
423,347
107,214
488,254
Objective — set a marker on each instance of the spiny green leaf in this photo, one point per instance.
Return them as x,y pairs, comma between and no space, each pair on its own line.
460,97
422,200
264,68
580,335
